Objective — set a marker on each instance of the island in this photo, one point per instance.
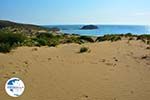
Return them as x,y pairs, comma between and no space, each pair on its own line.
89,27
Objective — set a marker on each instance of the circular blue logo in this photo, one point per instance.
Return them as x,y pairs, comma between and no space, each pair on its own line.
14,87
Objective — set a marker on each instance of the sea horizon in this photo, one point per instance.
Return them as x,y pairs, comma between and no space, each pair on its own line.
103,29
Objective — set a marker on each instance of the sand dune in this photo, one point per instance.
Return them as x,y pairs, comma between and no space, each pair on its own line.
111,71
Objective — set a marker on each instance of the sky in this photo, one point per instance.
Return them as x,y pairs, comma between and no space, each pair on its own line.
50,12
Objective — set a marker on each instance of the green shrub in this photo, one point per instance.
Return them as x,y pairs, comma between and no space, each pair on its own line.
11,38
144,36
131,38
83,49
48,39
45,35
53,42
86,38
5,47
115,38
148,42
111,38
128,35
29,42
100,39
41,42
72,39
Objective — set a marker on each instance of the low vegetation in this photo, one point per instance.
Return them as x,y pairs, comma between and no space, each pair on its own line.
111,38
115,37
145,38
10,40
86,38
84,49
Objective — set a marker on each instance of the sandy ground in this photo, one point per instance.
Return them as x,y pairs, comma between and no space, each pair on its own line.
111,71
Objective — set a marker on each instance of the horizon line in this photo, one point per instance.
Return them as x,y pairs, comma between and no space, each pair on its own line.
74,23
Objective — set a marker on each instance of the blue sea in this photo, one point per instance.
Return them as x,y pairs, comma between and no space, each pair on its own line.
104,29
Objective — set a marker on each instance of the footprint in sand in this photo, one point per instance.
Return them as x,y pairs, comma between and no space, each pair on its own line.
110,64
115,59
13,72
49,59
146,58
83,97
132,92
10,63
114,99
35,49
102,60
25,62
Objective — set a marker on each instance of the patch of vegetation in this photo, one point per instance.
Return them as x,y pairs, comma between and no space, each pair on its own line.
41,42
145,38
54,42
47,39
72,39
10,40
44,35
111,38
128,35
86,38
148,42
29,42
131,38
84,49
5,47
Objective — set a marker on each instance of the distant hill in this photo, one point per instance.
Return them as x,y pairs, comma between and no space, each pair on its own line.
21,28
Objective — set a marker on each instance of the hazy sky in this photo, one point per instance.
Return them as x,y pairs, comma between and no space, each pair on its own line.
76,11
